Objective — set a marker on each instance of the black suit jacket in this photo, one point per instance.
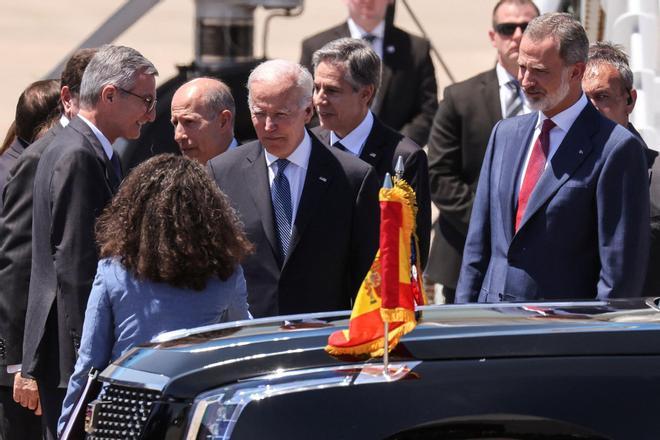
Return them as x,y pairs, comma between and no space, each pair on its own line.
7,161
457,145
335,233
408,95
16,247
381,150
74,182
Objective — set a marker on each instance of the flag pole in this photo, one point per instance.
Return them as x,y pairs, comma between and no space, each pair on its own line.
387,184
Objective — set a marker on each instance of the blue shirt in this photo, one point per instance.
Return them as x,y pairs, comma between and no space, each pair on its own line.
123,312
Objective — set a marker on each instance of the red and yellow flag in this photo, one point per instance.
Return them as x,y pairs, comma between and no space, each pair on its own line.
392,286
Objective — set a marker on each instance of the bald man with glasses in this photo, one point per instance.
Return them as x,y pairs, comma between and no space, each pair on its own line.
460,132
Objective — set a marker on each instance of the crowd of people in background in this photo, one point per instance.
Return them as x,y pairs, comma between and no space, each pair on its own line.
544,190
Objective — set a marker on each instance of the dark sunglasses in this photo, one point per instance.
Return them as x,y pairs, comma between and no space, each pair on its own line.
149,102
508,29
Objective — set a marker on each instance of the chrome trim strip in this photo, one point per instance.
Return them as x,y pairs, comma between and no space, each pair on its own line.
176,334
134,378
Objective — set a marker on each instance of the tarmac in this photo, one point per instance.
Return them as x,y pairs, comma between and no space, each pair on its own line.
35,35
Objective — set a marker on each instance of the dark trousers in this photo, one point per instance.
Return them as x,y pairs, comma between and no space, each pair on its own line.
16,422
51,406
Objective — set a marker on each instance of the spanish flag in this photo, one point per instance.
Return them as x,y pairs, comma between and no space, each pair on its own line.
392,286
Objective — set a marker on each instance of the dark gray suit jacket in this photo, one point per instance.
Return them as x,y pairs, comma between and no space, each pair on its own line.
7,161
381,150
408,94
335,233
74,182
16,246
457,145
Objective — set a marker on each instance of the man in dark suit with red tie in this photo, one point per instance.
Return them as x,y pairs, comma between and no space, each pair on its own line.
562,205
408,96
77,175
346,79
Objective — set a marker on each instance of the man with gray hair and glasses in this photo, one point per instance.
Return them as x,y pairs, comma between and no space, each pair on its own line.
311,212
203,113
346,79
76,177
562,204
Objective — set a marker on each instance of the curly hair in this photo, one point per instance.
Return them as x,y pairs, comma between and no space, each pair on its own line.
169,222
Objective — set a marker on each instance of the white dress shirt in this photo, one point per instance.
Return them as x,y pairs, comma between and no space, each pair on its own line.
355,140
295,172
563,121
105,143
503,78
378,32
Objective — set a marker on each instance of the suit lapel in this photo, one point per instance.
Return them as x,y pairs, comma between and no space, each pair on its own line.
516,147
570,154
491,94
84,129
317,180
372,151
256,173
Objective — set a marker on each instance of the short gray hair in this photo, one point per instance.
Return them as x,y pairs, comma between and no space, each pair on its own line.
361,64
112,65
278,70
219,98
566,31
605,52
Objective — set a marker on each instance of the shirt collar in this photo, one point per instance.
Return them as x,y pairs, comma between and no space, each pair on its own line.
357,32
64,121
355,140
105,143
299,156
503,77
565,119
233,144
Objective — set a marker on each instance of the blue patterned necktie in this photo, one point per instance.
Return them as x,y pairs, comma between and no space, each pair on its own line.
281,196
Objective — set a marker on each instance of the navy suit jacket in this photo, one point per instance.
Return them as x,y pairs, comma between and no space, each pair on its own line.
585,231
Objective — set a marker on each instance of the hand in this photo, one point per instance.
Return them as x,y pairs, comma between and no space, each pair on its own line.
26,393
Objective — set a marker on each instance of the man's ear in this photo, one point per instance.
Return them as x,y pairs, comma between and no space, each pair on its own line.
632,99
108,93
66,98
577,71
226,119
367,93
309,112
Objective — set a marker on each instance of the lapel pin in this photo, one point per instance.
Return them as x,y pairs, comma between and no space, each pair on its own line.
390,49
372,154
580,152
323,179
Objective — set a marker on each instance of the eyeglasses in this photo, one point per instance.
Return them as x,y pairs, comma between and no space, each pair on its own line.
149,102
508,29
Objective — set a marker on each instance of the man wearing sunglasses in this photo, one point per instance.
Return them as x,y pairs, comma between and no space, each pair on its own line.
459,136
77,175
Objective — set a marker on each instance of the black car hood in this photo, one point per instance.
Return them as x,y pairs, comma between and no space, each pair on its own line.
185,363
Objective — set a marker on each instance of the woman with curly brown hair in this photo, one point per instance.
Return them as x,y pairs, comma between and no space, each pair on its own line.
170,248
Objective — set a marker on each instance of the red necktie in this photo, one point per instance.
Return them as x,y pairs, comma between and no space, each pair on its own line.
535,168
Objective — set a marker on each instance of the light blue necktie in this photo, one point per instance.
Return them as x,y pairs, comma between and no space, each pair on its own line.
281,196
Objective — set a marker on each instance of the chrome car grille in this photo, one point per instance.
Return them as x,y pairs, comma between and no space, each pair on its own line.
122,413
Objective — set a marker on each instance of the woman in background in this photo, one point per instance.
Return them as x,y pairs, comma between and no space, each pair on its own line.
37,110
170,248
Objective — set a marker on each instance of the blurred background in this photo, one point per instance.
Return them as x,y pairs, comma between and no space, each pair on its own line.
35,35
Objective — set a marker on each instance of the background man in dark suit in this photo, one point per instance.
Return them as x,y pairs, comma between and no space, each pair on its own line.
466,115
346,79
77,175
312,213
561,210
408,96
16,234
608,83
203,112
